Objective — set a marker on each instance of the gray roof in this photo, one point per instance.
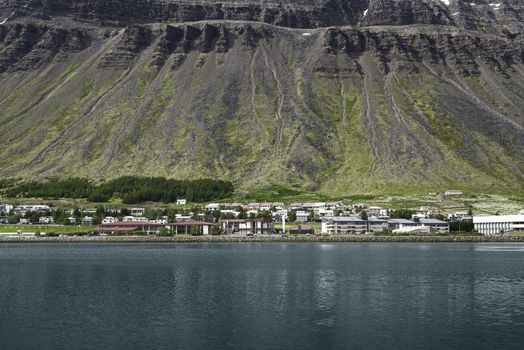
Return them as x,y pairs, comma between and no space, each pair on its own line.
433,221
401,221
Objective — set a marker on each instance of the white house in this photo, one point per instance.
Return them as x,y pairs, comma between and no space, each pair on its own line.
453,193
373,211
279,206
459,216
213,206
138,211
182,217
24,221
46,220
231,212
89,211
352,225
23,209
87,221
499,224
434,224
302,216
109,220
322,212
181,202
6,208
264,206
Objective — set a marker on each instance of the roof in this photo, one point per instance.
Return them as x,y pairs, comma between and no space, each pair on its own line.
302,227
401,221
126,223
244,220
433,221
190,223
117,229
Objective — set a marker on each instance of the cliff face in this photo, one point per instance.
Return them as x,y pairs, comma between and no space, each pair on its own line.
342,96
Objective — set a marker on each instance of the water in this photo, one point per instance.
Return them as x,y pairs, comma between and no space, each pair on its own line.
262,296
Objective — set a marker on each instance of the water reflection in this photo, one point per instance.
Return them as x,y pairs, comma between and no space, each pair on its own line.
261,296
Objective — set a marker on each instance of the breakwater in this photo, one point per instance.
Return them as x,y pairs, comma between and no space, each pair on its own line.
272,238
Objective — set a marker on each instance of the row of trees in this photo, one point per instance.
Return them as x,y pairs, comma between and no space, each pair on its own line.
132,189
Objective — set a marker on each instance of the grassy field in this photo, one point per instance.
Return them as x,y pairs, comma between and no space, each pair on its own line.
72,229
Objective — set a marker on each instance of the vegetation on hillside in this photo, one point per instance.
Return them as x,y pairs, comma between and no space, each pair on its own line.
131,189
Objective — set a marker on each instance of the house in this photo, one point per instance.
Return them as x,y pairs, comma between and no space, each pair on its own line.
247,226
499,224
134,218
396,224
277,215
436,226
71,220
6,208
181,201
182,217
373,211
253,206
23,209
322,212
295,206
138,211
229,212
302,230
302,216
109,220
186,227
24,221
413,230
352,225
453,193
161,221
459,216
87,221
4,220
46,220
264,207
213,206
278,206
89,211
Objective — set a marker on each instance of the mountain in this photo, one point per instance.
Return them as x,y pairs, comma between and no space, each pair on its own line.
355,96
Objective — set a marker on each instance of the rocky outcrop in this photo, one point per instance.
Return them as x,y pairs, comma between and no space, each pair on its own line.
486,15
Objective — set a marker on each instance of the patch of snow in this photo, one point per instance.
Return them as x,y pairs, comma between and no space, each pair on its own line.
472,4
446,2
306,34
5,20
455,13
366,12
495,6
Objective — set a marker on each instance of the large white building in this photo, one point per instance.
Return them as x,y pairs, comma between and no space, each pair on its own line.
499,224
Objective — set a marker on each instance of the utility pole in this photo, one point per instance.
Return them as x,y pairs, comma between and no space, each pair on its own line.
284,216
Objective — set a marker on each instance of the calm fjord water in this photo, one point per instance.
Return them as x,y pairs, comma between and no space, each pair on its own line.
262,296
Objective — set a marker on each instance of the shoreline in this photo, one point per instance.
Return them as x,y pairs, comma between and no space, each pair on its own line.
268,239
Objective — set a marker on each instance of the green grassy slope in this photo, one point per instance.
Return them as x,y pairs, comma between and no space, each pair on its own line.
283,110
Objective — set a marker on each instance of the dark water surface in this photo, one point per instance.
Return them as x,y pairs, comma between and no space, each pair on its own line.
262,296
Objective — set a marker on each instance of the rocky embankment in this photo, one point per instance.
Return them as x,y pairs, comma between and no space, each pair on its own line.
268,239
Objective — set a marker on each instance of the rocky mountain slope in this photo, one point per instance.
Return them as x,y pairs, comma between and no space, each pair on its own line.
329,95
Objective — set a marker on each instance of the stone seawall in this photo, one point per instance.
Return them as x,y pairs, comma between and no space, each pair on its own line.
275,238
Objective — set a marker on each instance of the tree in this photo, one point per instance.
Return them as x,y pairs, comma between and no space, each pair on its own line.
364,215
216,230
195,231
164,232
